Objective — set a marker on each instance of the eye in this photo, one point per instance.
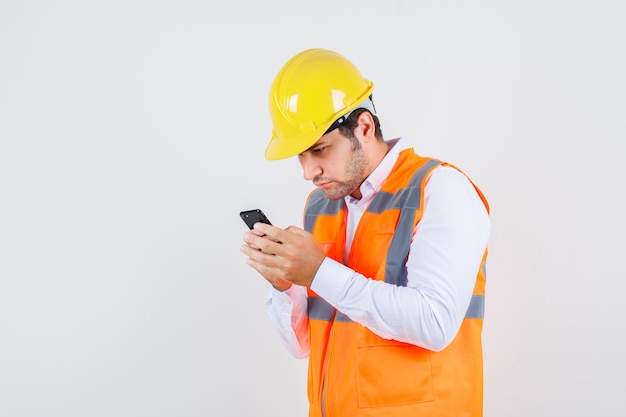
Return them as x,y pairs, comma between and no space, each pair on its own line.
320,149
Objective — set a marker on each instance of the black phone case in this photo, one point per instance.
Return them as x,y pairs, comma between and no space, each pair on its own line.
250,217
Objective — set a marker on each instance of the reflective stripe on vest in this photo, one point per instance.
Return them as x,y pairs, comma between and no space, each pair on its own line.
319,309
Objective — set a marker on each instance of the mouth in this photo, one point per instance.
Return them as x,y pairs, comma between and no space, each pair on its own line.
323,184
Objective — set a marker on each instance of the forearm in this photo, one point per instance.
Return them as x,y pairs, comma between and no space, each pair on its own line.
405,314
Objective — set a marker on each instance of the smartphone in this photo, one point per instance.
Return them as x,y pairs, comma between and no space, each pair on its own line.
250,217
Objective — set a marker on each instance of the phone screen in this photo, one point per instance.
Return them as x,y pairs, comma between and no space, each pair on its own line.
250,217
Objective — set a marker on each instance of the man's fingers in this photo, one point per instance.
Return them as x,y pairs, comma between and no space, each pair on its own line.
270,231
263,264
261,250
261,242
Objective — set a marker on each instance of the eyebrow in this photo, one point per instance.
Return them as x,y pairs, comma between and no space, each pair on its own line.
314,146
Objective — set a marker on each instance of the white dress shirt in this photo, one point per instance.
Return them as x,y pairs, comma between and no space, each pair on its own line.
446,252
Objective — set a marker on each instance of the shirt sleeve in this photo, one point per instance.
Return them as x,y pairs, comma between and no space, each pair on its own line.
288,314
445,254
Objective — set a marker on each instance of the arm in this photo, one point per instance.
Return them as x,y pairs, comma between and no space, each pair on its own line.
445,255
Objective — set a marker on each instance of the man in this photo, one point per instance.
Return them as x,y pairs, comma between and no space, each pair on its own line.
383,290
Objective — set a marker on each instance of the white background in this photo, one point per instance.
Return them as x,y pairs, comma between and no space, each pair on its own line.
132,133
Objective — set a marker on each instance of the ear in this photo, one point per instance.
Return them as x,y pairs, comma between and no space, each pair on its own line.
366,127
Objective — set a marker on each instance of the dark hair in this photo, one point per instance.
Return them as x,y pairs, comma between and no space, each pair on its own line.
347,127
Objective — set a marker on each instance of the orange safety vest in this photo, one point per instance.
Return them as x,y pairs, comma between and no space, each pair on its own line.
352,371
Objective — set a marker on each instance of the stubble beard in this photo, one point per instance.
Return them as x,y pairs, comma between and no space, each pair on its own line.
355,174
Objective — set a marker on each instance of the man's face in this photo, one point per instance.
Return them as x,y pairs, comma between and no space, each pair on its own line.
334,166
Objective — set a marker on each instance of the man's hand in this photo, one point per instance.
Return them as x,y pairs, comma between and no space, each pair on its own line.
283,257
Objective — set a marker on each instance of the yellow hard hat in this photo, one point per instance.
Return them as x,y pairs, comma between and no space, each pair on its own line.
311,91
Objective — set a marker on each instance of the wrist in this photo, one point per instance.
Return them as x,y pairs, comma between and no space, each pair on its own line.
281,285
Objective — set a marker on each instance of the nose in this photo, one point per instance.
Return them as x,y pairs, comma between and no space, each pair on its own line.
310,168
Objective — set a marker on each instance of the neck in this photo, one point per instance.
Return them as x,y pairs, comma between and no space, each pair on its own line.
378,155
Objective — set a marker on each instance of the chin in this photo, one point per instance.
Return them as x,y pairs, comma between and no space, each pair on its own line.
335,195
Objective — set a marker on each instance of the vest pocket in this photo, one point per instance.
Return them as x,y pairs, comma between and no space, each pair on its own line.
393,375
